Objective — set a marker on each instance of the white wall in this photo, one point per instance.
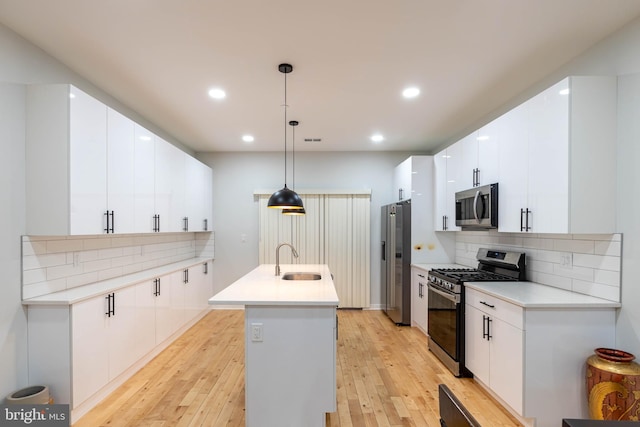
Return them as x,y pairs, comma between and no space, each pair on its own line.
235,212
13,327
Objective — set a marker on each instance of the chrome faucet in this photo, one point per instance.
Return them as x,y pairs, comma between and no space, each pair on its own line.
295,254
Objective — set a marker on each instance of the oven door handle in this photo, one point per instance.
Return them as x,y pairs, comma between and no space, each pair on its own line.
450,297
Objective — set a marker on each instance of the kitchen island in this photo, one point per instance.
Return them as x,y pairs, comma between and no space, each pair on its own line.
290,344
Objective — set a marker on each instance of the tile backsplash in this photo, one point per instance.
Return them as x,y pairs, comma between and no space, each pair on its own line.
55,263
586,264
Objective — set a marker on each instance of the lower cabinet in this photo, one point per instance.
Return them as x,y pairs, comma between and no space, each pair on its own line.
419,299
532,358
83,349
493,349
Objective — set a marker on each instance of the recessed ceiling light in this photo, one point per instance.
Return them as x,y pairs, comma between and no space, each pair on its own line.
247,138
411,92
377,138
217,93
564,92
482,138
145,137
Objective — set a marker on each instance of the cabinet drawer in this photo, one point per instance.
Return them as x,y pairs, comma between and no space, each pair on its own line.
496,307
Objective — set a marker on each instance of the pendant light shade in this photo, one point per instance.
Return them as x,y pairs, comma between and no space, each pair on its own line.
288,211
285,198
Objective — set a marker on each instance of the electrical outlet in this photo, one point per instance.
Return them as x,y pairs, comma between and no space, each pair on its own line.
566,261
256,332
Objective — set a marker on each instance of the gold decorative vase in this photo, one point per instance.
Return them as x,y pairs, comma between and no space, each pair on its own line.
613,385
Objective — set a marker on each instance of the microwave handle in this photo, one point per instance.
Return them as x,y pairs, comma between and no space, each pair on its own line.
475,206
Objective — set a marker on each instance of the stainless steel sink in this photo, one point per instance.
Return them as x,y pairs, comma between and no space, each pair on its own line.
301,276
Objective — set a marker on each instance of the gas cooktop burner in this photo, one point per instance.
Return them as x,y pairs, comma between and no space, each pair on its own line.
471,275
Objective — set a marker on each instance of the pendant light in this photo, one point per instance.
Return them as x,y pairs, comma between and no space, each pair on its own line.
302,211
285,198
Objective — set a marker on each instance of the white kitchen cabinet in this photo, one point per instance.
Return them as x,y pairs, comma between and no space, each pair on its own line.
198,195
92,171
169,186
402,180
494,347
426,245
144,189
531,357
419,299
479,164
84,349
90,348
553,144
447,176
66,161
120,175
104,339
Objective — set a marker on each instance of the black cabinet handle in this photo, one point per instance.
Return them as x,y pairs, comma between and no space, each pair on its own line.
487,304
109,228
156,284
206,267
156,223
400,191
421,275
484,326
185,276
111,305
206,225
524,219
185,223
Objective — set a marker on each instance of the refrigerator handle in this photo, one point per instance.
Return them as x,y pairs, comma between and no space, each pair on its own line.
384,250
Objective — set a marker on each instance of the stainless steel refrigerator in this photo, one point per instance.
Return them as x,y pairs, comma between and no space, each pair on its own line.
395,263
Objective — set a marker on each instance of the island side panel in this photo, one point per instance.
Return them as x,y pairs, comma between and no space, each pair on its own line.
291,373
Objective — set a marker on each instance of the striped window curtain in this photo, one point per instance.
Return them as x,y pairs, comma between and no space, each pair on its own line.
336,231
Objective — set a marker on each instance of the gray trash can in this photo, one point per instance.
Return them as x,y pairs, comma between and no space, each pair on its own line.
37,394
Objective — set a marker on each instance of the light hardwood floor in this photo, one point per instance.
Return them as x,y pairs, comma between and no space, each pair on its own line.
385,375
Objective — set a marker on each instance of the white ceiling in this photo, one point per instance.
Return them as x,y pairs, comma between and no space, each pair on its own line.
351,60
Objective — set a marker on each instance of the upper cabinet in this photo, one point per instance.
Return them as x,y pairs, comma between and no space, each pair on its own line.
447,177
550,155
403,180
91,170
557,151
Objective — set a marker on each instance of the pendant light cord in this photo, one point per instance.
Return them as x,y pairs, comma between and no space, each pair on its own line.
285,130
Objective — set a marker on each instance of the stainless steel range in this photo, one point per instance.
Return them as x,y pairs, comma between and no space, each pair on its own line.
446,301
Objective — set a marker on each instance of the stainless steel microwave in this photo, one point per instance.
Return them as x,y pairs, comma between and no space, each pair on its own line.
477,208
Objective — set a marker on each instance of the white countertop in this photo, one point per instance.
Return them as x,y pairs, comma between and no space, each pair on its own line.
536,295
427,267
81,293
262,287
